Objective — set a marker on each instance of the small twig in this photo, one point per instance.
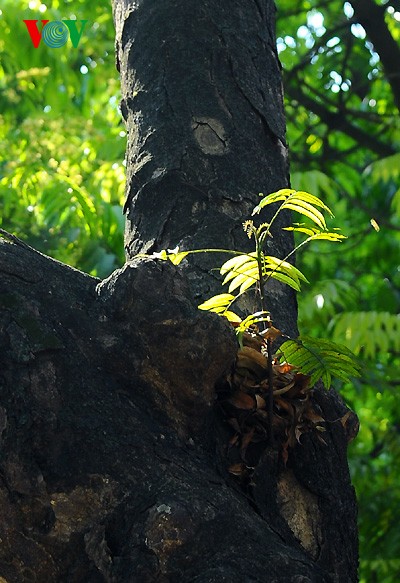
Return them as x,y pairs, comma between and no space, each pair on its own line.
270,401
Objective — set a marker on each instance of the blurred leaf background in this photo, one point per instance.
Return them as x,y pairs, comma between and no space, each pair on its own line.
62,148
62,143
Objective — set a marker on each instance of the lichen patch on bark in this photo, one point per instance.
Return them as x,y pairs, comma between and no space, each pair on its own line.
299,507
210,135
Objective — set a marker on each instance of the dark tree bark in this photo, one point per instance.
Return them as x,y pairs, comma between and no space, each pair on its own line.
113,463
202,102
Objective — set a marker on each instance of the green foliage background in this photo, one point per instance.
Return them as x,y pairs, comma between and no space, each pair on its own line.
336,90
62,143
62,147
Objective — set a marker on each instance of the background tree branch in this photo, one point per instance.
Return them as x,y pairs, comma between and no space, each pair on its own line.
372,17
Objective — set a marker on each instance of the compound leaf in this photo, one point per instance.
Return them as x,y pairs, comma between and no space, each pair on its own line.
321,359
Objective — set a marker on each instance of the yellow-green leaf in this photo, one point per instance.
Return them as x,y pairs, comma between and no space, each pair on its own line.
176,258
163,255
307,210
232,317
244,280
256,318
235,263
218,301
300,201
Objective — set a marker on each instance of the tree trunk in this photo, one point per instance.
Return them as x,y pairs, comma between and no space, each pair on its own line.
114,458
202,102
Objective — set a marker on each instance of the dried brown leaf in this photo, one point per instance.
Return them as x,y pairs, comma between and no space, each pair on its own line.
252,360
285,406
302,382
298,431
313,416
343,420
234,423
271,333
254,341
351,425
237,469
242,400
284,389
283,368
285,452
234,440
246,440
260,402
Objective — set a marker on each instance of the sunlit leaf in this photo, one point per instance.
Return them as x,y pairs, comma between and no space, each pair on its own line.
315,234
236,262
307,210
252,319
232,317
300,201
283,271
163,255
241,271
220,300
245,280
176,258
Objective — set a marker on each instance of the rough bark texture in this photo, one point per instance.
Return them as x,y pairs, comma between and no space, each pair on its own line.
202,102
113,460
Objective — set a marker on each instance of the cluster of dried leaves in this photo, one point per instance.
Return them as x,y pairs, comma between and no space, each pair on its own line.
245,404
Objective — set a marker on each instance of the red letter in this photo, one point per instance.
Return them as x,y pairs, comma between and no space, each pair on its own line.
35,35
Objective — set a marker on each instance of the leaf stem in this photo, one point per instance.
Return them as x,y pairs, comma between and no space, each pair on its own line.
270,401
261,283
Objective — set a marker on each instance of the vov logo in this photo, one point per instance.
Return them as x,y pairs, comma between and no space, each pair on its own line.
55,34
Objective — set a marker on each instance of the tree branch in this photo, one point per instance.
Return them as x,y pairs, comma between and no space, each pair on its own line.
372,18
337,121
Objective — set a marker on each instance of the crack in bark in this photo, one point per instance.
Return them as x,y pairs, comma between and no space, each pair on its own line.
268,130
259,10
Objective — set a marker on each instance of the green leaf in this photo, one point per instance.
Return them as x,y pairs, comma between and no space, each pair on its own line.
283,271
235,263
313,180
301,228
272,198
286,280
299,201
245,280
176,258
218,301
384,169
307,210
232,317
241,271
321,359
173,255
219,304
370,333
256,318
315,234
